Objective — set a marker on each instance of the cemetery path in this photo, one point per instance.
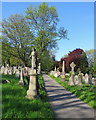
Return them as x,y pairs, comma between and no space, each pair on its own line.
63,103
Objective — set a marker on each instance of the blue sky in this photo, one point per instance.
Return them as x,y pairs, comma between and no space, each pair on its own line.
77,18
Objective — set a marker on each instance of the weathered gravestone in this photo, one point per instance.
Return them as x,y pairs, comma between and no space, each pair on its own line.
39,68
21,82
6,70
93,81
10,70
58,72
2,69
87,80
14,70
79,82
33,91
71,79
63,72
76,79
17,73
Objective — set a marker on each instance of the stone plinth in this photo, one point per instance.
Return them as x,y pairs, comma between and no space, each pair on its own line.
32,91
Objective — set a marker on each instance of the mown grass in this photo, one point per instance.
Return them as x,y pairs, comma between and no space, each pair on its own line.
15,105
84,93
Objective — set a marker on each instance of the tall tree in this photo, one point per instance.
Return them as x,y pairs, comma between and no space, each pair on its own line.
16,38
43,22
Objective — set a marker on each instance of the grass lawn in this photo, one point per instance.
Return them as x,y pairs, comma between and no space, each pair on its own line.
15,105
83,92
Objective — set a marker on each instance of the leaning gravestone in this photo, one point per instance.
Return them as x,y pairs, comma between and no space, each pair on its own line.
32,91
63,72
10,71
71,79
21,82
79,83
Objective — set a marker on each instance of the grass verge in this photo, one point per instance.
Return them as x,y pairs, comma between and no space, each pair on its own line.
84,93
15,105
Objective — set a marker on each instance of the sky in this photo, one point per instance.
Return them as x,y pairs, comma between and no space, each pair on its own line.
76,17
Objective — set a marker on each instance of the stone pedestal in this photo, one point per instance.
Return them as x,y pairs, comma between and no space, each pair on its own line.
32,91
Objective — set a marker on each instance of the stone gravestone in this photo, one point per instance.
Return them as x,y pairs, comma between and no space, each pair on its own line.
87,81
10,71
2,69
17,73
71,79
14,70
76,79
79,82
63,72
55,69
90,78
32,91
93,81
58,72
6,70
39,68
21,82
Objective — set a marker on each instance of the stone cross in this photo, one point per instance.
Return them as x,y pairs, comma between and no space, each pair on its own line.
71,79
72,65
33,60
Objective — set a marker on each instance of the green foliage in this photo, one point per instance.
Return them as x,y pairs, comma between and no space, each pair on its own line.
43,22
16,39
47,61
82,92
15,105
84,63
77,72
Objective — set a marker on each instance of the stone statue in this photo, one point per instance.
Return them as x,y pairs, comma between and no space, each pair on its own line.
33,60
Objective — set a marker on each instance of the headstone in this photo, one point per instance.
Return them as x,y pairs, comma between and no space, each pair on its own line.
6,70
17,73
63,72
87,81
76,79
93,81
79,83
21,82
55,69
10,71
90,78
58,72
39,68
2,69
32,91
14,70
55,74
67,74
71,79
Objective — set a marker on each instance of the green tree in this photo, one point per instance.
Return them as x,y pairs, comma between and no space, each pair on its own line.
16,38
47,61
43,22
